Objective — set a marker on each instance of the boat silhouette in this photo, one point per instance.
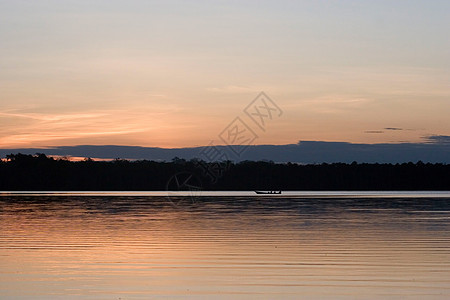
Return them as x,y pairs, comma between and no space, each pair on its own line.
268,192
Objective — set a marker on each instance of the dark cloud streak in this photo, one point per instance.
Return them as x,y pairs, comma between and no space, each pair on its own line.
438,139
373,131
436,149
393,128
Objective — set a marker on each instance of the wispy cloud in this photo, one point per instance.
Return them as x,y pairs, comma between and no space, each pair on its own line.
46,128
233,89
48,134
52,117
438,139
334,104
393,128
373,131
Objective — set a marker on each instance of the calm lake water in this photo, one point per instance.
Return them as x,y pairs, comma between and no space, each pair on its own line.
225,245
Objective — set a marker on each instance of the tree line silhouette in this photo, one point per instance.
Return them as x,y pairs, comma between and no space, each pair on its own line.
41,173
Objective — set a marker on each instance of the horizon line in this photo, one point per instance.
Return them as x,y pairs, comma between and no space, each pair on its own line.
432,140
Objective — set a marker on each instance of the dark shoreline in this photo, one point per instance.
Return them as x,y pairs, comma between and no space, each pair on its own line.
41,173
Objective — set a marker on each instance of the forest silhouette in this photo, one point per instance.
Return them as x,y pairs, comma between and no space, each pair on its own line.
41,173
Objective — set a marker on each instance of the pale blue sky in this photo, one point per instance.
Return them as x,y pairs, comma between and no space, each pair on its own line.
175,73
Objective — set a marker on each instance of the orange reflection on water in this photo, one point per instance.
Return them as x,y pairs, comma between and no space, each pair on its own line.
138,247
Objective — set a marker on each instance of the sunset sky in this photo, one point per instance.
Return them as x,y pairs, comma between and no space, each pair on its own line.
176,73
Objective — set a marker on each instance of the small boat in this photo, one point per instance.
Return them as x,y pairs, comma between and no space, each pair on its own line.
268,192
